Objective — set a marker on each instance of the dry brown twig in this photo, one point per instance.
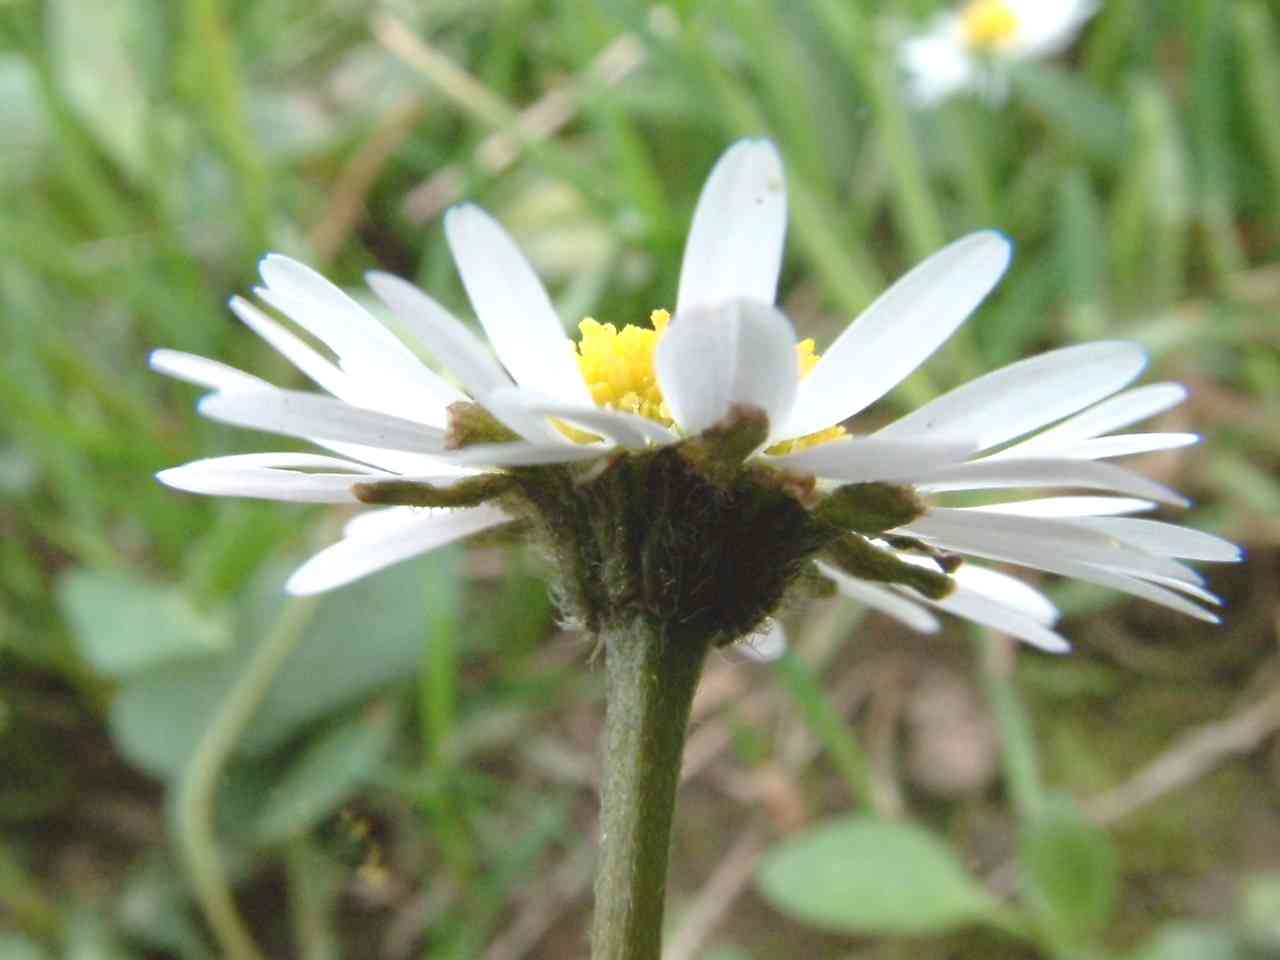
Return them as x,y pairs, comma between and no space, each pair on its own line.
1194,754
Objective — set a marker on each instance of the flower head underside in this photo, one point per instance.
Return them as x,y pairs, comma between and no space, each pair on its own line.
710,465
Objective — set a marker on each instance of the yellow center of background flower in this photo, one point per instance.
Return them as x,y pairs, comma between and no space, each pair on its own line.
989,24
617,366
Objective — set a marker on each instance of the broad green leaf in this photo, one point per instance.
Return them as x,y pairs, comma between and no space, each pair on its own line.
360,639
327,773
1190,942
1070,872
867,876
123,624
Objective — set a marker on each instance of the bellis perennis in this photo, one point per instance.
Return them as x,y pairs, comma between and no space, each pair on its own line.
970,47
701,471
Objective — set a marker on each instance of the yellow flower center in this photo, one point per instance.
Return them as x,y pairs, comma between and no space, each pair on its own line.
989,24
617,366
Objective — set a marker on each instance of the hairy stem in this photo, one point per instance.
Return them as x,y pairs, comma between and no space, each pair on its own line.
193,808
652,673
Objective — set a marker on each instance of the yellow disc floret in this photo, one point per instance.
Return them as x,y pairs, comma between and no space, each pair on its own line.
989,24
808,359
618,368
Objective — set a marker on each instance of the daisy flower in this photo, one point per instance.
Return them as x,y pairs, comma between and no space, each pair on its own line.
704,470
967,48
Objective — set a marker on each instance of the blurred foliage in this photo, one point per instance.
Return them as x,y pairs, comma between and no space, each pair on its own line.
151,151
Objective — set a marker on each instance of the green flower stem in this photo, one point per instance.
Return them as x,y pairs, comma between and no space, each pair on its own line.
652,672
197,838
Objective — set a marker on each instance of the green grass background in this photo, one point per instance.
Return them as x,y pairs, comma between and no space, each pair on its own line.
419,781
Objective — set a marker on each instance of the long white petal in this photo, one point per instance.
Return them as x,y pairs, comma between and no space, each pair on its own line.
444,335
1127,583
1178,585
627,429
352,558
1089,474
284,461
882,599
1069,507
204,372
310,415
513,306
524,454
988,613
898,332
399,462
1119,411
1008,591
734,250
737,353
364,346
1119,445
864,459
264,483
1023,396
1164,539
317,367
1027,540
379,522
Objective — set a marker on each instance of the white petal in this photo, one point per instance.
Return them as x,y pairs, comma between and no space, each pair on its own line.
509,406
204,372
627,429
898,332
352,558
1024,396
311,415
1027,540
424,398
1165,539
364,346
1069,506
322,372
1089,474
734,250
284,461
870,458
395,461
763,647
989,613
1119,411
937,65
1119,445
1008,591
1045,29
738,353
264,483
513,306
525,454
1127,583
1181,586
379,522
880,598
446,337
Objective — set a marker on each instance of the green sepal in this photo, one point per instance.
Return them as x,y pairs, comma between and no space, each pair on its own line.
858,558
470,423
870,507
720,449
468,492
